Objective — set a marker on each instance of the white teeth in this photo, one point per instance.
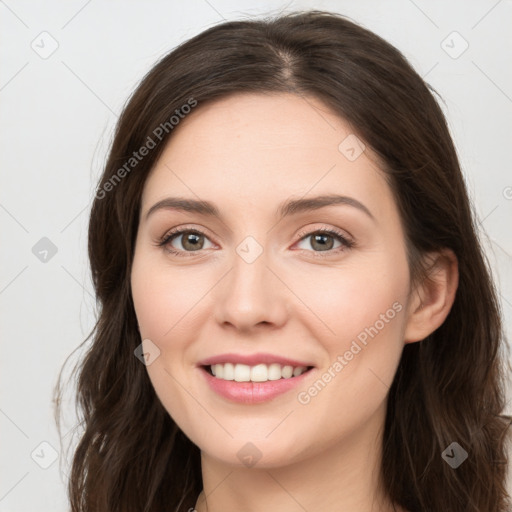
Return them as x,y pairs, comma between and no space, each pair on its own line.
258,373
229,371
242,373
287,371
297,371
274,371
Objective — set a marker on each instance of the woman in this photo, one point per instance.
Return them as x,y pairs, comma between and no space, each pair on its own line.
296,311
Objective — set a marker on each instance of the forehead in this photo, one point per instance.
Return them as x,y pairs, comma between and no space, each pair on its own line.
256,149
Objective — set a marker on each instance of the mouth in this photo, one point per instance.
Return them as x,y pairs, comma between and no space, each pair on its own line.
254,378
258,373
250,385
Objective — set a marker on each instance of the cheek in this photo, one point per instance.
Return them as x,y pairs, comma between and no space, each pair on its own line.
362,358
361,308
342,302
164,309
163,299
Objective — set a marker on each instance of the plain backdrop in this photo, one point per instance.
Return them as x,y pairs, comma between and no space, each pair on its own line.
67,69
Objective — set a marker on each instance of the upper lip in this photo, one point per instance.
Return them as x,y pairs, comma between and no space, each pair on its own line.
251,360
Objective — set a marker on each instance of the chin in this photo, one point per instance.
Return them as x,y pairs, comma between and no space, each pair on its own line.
255,453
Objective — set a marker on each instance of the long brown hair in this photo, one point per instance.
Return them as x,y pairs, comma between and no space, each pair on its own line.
449,387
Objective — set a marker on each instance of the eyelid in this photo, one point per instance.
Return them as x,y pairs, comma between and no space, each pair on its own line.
185,228
325,228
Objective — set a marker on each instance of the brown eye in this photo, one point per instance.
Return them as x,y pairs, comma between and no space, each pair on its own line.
324,241
191,240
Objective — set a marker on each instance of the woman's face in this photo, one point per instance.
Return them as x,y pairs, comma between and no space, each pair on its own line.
259,279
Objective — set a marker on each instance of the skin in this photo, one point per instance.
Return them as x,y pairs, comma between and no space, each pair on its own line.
247,154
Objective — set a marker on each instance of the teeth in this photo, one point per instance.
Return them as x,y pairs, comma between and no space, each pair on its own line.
228,373
274,371
298,371
242,373
258,373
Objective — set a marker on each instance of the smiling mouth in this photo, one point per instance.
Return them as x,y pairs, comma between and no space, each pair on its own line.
258,373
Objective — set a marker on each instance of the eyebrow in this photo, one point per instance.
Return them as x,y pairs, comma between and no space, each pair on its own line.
285,209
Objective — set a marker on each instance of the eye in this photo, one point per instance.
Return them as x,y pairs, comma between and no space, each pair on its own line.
192,240
323,240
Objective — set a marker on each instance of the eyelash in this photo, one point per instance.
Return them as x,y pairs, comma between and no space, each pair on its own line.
346,243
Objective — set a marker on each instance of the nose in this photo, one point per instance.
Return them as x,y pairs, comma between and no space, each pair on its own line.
251,295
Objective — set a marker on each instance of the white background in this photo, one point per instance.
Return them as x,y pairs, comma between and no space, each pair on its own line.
57,115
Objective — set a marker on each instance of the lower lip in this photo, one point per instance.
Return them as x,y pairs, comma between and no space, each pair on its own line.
253,392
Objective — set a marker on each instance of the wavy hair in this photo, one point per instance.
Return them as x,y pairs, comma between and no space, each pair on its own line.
448,387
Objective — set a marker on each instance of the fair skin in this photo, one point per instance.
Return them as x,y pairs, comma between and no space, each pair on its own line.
247,154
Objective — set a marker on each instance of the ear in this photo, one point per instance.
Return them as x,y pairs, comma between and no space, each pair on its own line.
432,300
